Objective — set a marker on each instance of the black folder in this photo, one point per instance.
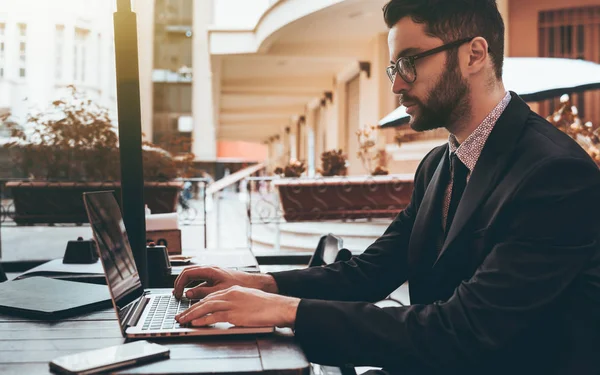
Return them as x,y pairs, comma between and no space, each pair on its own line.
49,299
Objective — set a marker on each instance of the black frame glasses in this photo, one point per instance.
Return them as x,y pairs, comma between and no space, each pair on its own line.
405,66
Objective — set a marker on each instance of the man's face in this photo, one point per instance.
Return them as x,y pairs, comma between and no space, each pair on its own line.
440,95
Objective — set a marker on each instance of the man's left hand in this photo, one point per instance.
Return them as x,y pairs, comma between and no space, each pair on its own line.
243,307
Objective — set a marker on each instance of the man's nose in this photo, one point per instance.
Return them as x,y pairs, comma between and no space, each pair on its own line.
399,85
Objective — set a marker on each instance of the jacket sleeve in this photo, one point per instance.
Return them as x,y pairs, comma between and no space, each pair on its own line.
370,276
550,238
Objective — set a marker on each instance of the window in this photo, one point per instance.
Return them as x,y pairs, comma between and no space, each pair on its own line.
99,61
174,11
2,48
572,33
80,54
173,36
22,49
171,102
59,46
352,120
113,81
172,98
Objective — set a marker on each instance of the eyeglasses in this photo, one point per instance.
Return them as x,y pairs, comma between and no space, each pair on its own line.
405,66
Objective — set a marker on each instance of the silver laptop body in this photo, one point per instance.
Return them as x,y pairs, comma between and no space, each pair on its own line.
141,313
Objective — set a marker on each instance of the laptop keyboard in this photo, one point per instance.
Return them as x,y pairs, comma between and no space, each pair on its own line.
163,310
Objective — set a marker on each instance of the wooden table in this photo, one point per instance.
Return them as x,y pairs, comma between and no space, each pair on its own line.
240,259
27,346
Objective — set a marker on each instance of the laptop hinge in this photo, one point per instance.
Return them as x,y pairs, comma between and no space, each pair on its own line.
137,311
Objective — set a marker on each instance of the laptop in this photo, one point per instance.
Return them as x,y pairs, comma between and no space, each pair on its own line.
141,313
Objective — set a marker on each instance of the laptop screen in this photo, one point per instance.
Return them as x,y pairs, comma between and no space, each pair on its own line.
114,249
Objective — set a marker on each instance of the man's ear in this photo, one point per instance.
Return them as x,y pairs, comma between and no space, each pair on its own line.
478,52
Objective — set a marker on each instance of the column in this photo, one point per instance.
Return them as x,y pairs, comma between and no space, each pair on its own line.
386,99
310,142
336,119
204,135
503,7
270,156
301,139
293,141
145,27
285,140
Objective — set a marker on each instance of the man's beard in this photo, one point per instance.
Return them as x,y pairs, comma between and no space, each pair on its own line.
447,103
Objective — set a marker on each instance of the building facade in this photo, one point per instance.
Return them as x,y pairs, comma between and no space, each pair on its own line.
47,45
306,78
302,77
178,81
552,28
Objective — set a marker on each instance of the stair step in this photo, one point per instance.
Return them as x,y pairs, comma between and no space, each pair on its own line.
357,236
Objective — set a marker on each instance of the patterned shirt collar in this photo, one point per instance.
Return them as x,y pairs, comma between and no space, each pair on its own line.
469,151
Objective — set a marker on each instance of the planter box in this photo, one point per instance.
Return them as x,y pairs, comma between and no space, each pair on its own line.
62,202
334,198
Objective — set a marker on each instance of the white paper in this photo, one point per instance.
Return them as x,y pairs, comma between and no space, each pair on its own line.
224,258
162,221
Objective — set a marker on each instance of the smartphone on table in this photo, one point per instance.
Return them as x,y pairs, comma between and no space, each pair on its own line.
110,358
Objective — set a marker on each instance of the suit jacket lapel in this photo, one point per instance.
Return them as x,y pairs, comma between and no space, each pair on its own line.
492,162
427,224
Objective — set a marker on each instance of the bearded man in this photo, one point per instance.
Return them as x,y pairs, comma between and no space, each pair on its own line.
499,242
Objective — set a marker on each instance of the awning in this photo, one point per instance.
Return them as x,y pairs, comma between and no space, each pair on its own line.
534,79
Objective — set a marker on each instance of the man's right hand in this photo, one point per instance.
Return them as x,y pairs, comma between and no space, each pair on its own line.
216,279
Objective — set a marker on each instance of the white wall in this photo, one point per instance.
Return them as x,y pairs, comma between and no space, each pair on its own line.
204,144
144,10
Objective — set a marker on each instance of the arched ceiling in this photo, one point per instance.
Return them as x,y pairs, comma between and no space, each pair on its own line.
295,64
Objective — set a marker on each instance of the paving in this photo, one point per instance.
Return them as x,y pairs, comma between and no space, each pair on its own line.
41,242
47,242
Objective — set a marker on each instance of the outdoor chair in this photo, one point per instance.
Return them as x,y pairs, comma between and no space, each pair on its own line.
2,275
329,250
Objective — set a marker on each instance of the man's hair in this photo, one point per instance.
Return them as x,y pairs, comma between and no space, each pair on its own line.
451,20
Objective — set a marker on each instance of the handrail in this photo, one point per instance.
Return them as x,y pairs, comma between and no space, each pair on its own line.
233,178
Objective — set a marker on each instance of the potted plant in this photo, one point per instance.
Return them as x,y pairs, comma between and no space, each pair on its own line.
334,196
566,118
334,163
71,148
294,168
374,160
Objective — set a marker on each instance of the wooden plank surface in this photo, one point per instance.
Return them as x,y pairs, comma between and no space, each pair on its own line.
60,325
81,344
54,334
199,366
24,368
281,353
26,347
108,314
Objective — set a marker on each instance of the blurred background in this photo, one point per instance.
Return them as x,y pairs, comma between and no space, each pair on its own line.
236,94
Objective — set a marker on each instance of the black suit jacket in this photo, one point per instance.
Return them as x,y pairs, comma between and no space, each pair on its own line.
515,288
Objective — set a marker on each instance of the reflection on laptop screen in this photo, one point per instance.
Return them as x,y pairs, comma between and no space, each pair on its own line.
113,246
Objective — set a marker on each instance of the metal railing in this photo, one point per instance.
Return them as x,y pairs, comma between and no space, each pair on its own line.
187,215
262,207
215,190
348,199
190,206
